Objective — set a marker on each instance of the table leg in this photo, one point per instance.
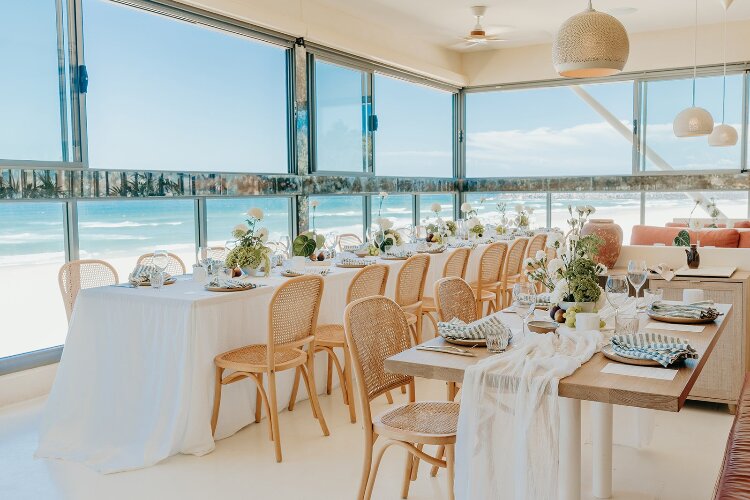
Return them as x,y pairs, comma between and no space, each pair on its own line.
570,449
601,415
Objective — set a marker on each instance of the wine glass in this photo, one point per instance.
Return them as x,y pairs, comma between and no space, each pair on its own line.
617,291
202,255
524,301
161,259
637,274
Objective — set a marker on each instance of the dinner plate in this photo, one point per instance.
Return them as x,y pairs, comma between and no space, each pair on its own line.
610,353
352,266
467,342
679,321
287,274
170,281
394,258
220,289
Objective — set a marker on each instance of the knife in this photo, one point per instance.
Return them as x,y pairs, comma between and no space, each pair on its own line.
445,350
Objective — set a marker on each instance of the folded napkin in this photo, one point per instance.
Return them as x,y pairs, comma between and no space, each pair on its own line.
462,244
661,348
143,272
354,248
220,281
399,253
477,330
697,310
349,261
322,271
664,271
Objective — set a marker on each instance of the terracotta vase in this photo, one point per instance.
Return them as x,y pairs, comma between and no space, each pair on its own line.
611,233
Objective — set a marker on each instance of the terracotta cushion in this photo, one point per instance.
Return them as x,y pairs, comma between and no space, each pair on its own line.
648,235
743,224
675,224
744,239
721,238
734,478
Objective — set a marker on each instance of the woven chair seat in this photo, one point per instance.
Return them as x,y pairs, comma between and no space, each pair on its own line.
252,358
330,335
432,418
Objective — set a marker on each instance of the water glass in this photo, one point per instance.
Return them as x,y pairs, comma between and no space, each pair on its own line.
157,279
626,323
524,301
161,259
617,290
637,275
651,295
496,341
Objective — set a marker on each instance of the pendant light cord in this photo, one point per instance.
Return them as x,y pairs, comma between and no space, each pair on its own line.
695,50
724,91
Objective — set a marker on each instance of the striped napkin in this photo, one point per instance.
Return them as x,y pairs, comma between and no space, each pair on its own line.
322,271
354,248
477,330
349,261
698,310
398,253
462,244
143,272
220,281
661,348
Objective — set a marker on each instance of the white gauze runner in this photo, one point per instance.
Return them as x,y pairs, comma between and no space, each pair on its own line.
508,427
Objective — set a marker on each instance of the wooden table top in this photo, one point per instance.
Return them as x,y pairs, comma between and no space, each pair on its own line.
588,382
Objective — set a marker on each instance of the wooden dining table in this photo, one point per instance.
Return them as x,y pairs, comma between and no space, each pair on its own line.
588,383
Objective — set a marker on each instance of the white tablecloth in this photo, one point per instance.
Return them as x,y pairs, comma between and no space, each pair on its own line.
135,383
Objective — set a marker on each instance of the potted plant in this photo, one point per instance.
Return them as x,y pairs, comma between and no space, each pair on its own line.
250,252
386,236
573,275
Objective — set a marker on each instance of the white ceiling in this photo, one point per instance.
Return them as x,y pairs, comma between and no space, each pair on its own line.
528,22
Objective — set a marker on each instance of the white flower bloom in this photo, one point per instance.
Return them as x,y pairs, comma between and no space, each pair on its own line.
240,228
519,208
466,207
473,222
315,203
562,252
436,207
560,292
601,269
590,209
384,223
554,266
383,194
255,213
574,238
263,234
552,239
448,232
530,210
528,261
440,221
540,254
581,209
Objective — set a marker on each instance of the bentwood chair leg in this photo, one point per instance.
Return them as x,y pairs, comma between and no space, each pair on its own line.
329,377
374,472
307,387
349,385
258,399
412,392
217,399
407,475
295,388
450,465
310,374
433,321
274,414
418,327
439,455
388,397
366,463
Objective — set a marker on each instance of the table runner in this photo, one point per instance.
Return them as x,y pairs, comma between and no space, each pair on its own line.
508,426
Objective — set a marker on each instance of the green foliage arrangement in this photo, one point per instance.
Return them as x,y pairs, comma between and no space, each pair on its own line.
250,251
306,243
682,239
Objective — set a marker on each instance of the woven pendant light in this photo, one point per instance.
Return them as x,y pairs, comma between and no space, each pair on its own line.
590,44
693,121
724,135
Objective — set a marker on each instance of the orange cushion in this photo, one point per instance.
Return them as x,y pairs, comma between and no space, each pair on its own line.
743,224
675,224
648,235
722,238
744,239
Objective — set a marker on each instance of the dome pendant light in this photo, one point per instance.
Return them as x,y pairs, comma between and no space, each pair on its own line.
723,135
590,44
693,121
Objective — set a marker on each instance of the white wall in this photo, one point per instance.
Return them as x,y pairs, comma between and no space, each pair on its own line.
648,51
325,25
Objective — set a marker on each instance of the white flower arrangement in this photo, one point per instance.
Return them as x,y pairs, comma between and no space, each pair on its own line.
250,251
256,213
436,208
384,223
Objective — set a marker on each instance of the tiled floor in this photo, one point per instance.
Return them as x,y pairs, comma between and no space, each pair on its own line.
681,462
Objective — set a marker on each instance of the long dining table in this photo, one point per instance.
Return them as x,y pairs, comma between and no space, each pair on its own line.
594,381
135,382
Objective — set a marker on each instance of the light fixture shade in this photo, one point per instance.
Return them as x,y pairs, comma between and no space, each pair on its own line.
692,122
723,135
590,44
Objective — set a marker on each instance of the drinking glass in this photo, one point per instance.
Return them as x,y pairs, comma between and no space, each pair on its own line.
617,290
626,323
287,243
161,259
637,274
524,301
651,295
157,279
496,341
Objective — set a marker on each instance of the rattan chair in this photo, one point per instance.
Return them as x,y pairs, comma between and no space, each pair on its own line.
513,272
376,330
410,291
347,239
455,265
292,317
79,274
175,266
487,288
368,281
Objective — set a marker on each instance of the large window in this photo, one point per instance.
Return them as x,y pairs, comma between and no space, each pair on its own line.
414,135
398,208
338,214
224,214
32,94
165,94
623,208
551,131
341,113
121,231
665,207
490,206
31,253
664,99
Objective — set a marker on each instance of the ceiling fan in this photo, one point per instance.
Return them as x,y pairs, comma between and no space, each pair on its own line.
478,36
